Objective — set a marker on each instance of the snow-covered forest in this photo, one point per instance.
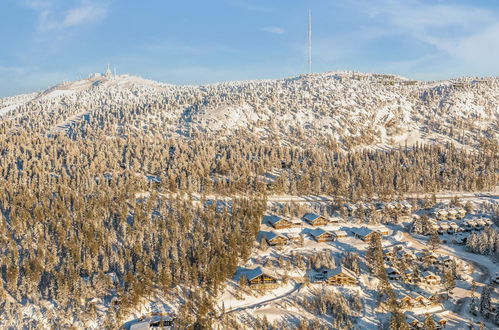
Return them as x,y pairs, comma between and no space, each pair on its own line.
99,176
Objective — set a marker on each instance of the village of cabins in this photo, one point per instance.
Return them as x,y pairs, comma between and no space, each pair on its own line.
415,270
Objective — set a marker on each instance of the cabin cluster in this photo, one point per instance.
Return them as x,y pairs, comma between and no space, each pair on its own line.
409,301
419,268
449,213
366,234
315,227
454,227
154,320
416,322
311,219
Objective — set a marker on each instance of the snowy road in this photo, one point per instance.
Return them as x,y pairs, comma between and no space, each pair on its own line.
262,303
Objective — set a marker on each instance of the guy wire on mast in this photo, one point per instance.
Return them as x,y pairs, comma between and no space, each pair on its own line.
309,41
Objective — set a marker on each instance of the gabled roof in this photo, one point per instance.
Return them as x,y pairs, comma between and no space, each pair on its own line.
319,232
340,232
401,295
415,295
362,231
258,271
428,273
340,270
272,235
391,270
273,219
312,216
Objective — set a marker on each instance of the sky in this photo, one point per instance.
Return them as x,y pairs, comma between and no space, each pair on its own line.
45,42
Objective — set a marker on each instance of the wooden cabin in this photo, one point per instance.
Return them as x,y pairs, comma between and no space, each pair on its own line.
388,254
420,300
336,218
441,214
393,274
439,320
443,227
315,219
451,214
430,278
404,301
341,276
340,233
413,321
366,234
430,258
407,255
278,222
259,278
454,228
275,239
409,276
321,235
480,222
447,261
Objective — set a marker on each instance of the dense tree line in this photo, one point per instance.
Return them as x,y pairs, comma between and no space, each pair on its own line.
485,242
61,241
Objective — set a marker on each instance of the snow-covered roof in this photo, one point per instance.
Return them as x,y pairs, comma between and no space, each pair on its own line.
362,231
273,219
319,232
340,233
340,270
391,270
311,216
429,273
258,271
273,235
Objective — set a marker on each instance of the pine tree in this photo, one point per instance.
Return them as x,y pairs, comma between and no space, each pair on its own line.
434,241
429,323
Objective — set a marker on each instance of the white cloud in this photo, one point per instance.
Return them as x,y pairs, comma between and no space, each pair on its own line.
82,15
461,36
51,18
273,29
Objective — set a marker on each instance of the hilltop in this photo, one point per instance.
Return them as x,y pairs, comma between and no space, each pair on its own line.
343,109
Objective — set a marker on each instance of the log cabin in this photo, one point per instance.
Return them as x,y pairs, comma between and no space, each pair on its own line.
278,222
393,274
320,235
366,234
430,278
275,239
260,278
341,276
315,219
340,234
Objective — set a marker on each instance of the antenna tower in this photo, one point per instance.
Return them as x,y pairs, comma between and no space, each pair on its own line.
309,41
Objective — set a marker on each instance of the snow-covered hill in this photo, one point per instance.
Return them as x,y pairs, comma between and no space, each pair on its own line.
336,108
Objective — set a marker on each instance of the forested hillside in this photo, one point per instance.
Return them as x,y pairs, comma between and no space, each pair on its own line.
97,178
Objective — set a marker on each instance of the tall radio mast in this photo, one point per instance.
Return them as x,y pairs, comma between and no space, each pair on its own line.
309,41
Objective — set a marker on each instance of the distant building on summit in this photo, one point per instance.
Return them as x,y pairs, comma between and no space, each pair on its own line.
108,72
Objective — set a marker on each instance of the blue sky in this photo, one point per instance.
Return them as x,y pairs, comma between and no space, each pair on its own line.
201,41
